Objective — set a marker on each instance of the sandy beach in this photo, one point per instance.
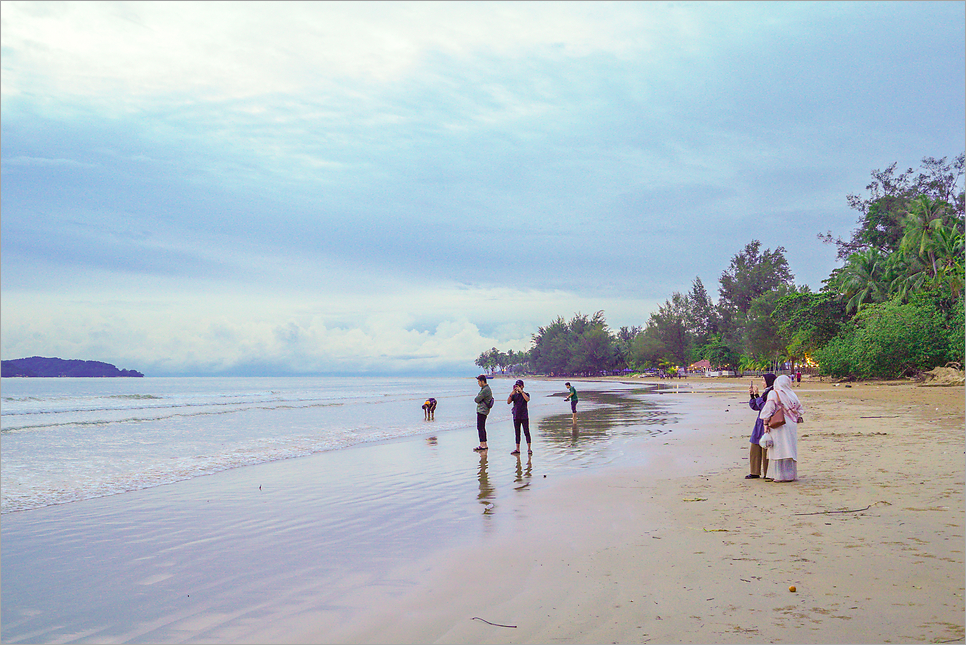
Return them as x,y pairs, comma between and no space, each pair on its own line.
683,549
605,536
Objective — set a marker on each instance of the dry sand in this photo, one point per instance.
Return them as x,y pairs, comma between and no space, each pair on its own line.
680,548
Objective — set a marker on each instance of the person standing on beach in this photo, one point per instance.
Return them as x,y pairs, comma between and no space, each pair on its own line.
758,456
484,401
521,417
784,454
572,397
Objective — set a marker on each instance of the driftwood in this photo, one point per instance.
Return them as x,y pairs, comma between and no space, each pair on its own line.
494,624
854,510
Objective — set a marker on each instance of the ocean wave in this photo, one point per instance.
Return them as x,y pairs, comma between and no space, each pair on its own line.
16,498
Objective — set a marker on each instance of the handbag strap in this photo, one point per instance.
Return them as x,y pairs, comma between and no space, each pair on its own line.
779,398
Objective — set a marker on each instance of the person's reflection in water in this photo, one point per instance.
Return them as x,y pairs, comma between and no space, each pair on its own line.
523,476
486,490
574,432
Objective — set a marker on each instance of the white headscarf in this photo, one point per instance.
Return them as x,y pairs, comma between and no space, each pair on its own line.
783,386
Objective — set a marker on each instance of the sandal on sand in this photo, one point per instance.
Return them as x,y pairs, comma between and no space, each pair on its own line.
515,452
479,448
751,476
529,452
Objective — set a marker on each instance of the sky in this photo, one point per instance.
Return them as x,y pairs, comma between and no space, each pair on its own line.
393,188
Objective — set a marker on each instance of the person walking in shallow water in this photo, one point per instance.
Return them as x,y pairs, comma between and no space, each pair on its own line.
521,417
572,397
484,401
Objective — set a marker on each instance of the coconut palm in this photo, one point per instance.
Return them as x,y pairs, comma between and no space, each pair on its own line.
866,278
926,217
931,251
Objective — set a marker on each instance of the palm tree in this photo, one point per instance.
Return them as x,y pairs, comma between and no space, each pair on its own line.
925,217
948,244
866,278
931,248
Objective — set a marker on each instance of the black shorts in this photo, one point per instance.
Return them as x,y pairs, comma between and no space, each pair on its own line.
573,406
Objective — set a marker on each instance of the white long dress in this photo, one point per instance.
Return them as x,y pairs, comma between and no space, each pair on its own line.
783,456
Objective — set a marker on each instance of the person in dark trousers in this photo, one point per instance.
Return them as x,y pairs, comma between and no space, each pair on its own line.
758,456
429,409
521,417
484,401
572,397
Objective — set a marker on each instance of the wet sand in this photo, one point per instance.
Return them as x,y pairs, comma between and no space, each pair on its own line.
680,548
251,554
635,526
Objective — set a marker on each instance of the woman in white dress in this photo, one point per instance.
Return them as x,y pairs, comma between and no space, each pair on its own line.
784,455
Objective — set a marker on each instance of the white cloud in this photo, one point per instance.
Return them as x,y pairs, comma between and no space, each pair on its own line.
235,50
408,184
432,329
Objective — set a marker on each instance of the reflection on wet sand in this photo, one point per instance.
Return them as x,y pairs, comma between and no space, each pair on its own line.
523,475
487,491
559,440
612,412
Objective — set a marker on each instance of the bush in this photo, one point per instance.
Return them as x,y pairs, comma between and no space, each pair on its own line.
956,348
888,340
836,359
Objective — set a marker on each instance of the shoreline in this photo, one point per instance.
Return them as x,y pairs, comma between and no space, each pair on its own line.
653,538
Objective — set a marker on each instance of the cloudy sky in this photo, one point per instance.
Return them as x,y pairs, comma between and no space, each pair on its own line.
245,188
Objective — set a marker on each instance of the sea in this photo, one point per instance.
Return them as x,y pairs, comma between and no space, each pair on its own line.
64,440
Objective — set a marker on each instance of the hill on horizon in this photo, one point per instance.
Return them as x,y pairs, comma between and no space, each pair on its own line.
39,366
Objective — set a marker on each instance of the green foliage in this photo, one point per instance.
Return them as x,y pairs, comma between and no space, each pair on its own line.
956,334
551,348
623,344
896,306
700,315
808,321
493,359
668,326
722,355
881,225
752,273
594,352
763,340
584,345
647,350
887,340
866,278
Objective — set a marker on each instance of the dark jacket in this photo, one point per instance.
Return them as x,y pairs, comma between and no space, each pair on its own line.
757,403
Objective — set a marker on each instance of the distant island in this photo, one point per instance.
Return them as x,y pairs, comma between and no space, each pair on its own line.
38,366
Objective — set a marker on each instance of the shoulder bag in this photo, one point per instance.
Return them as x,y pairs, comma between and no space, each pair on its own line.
777,419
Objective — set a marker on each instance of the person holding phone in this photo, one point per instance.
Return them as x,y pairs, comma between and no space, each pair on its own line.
758,456
784,454
521,417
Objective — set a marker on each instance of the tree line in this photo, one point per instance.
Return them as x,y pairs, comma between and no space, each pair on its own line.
893,308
